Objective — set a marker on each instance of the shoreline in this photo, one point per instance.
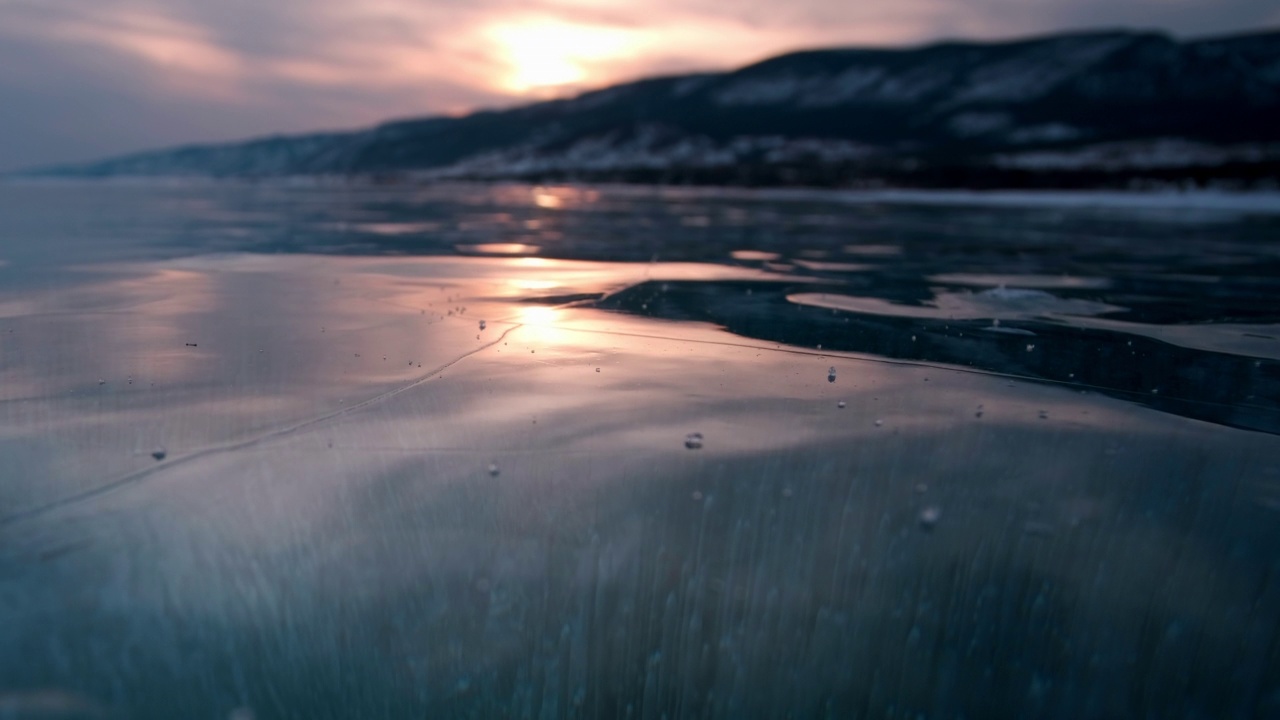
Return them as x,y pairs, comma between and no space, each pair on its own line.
1264,201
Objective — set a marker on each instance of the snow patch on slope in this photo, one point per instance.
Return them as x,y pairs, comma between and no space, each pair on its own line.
655,148
1047,133
861,83
1141,155
977,123
1022,77
1035,72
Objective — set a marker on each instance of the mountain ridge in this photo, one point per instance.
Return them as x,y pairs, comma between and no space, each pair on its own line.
1082,108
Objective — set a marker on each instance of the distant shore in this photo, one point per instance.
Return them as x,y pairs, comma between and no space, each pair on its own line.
1265,200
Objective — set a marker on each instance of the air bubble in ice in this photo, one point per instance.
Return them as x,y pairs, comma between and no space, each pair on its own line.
930,516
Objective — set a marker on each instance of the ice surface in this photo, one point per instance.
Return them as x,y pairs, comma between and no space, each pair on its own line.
322,538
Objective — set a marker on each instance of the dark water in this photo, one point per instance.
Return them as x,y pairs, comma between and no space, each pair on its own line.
962,457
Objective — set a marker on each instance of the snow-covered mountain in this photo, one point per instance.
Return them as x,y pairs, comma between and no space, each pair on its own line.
1075,109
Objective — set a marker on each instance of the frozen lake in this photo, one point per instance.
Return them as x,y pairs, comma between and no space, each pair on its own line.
273,451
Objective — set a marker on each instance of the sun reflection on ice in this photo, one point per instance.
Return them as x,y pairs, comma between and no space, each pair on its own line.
547,200
539,315
525,284
540,326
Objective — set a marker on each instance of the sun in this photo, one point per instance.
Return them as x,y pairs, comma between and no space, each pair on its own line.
546,56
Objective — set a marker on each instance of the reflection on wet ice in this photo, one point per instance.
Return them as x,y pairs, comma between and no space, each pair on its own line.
345,503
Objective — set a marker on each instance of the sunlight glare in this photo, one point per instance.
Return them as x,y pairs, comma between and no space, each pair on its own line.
530,262
545,55
538,315
547,200
539,327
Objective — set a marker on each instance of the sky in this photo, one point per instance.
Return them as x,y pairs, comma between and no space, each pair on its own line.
84,79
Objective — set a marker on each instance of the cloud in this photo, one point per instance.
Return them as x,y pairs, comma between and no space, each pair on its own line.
81,78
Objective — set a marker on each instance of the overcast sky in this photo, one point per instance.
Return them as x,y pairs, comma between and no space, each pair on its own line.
81,79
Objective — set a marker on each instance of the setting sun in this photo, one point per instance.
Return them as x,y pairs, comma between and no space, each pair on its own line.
548,55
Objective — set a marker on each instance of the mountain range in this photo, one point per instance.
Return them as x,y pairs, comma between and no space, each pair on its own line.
1096,109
